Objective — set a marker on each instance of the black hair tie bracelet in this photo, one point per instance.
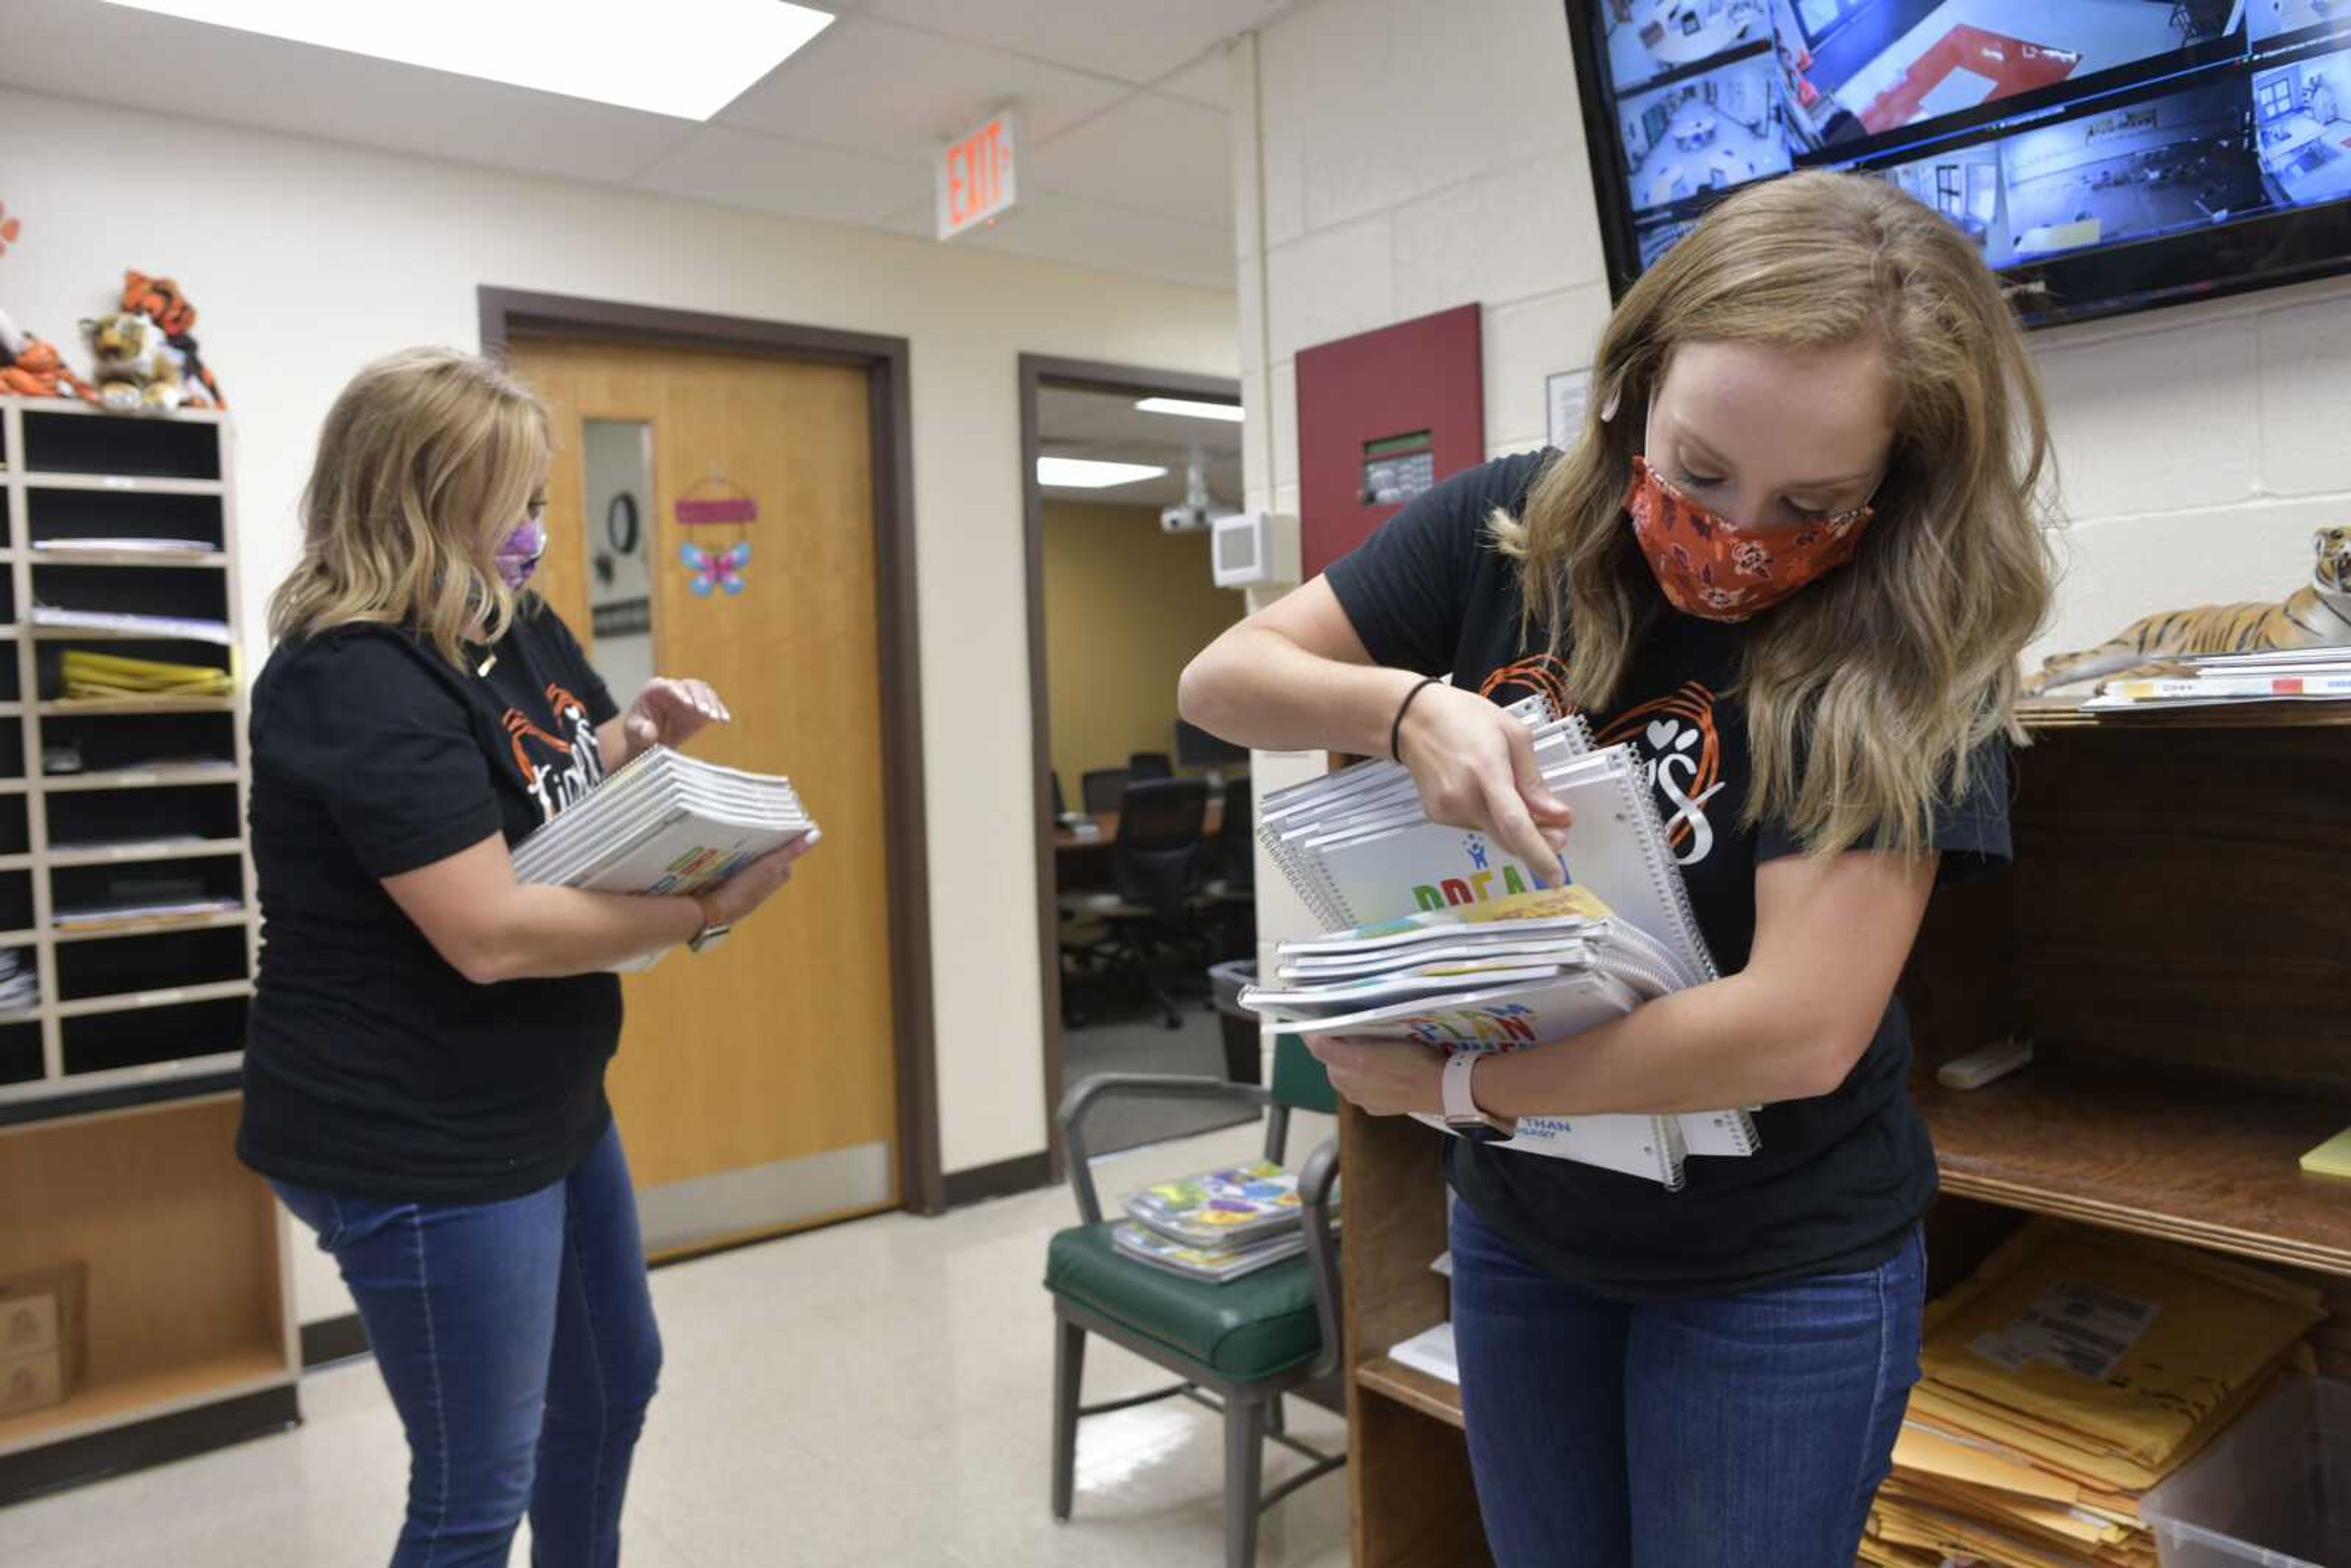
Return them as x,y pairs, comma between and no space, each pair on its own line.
1396,730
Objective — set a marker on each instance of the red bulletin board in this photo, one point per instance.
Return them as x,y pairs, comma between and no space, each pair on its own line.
1361,402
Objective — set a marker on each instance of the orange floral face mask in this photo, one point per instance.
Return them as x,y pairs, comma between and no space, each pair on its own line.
1710,568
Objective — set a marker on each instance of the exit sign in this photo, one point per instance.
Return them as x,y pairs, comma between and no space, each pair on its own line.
979,172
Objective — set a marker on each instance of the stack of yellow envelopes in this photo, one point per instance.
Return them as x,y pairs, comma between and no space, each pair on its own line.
100,676
2075,1370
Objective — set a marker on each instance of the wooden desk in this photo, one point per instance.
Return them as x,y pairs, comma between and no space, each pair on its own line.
2171,938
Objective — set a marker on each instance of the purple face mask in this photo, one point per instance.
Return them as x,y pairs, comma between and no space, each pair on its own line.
517,558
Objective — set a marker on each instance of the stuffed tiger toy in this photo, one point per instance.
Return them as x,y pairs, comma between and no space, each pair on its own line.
2316,615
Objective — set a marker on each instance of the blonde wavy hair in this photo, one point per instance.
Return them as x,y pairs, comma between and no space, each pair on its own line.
1867,692
428,458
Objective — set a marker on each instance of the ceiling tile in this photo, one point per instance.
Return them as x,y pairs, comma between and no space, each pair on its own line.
1065,414
1135,41
1151,153
1207,81
771,174
77,50
1087,234
897,92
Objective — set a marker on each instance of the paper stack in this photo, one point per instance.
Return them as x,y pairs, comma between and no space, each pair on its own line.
1502,975
1219,1225
160,628
1439,936
94,677
1431,1350
2074,1371
664,823
2289,675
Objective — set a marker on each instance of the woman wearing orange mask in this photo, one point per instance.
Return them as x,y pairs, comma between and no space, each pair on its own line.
1792,560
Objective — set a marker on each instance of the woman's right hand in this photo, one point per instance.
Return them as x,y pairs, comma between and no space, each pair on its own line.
1475,768
731,901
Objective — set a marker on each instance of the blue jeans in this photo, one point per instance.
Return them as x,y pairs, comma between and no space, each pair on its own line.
517,1340
1751,1429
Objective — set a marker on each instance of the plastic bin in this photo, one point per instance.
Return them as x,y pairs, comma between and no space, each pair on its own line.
2275,1488
1244,1054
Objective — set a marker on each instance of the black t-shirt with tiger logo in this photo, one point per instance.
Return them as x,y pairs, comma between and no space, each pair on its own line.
1839,1178
371,1066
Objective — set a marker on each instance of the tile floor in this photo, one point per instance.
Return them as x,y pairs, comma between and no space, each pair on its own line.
873,1394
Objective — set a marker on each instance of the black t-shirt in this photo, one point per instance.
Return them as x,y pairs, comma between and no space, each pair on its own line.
371,1066
1839,1178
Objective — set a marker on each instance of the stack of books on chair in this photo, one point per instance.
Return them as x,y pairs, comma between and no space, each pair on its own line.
1219,1225
2288,675
1438,936
2073,1371
664,823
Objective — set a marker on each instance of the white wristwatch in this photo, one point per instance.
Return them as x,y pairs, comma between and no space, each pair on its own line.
712,932
1461,1112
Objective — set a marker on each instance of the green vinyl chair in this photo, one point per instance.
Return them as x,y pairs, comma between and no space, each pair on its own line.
1236,1347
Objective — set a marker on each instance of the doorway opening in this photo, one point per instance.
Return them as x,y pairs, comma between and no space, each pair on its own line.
1144,861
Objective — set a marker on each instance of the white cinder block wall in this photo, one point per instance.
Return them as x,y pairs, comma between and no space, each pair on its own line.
1399,157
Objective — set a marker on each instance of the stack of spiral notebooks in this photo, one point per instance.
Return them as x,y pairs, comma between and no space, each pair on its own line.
1438,935
1219,1225
664,823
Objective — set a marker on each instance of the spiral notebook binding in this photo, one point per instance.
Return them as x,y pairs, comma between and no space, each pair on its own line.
1735,1126
1305,877
1672,1153
1656,848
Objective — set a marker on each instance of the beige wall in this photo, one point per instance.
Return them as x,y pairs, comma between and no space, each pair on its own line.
1126,606
308,259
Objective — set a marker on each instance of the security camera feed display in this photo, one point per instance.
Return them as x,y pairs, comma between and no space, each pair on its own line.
2040,128
1706,133
2302,127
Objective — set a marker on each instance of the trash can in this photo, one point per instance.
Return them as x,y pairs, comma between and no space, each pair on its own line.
1244,1056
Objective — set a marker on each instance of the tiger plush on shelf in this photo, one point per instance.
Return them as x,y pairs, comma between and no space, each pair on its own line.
2316,615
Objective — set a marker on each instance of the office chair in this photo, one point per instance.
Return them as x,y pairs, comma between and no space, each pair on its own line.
1101,790
1155,871
1229,899
1249,1341
1150,765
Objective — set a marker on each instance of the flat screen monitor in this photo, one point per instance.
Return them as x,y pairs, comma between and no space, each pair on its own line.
2105,155
1195,748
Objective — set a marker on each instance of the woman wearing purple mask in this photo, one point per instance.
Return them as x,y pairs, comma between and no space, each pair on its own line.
1791,560
424,1071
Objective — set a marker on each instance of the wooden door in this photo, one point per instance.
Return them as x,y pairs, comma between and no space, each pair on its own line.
756,1085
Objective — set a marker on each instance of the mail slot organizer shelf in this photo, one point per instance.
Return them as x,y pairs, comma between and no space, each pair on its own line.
128,923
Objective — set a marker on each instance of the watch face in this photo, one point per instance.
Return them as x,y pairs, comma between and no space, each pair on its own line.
1479,1131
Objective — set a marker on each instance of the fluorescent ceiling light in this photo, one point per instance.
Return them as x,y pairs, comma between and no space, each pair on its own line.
1187,408
1085,474
689,58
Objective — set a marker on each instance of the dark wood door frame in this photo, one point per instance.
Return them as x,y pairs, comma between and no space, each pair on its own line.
1037,372
508,312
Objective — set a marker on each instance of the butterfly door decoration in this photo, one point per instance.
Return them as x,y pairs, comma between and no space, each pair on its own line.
713,504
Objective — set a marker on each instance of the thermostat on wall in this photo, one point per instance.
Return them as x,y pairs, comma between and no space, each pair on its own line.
1250,548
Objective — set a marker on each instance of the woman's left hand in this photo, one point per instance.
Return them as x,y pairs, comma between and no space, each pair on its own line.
1383,1077
671,713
